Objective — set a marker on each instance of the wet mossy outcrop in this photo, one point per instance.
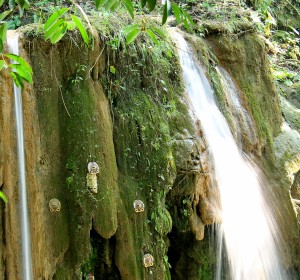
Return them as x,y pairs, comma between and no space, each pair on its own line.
124,107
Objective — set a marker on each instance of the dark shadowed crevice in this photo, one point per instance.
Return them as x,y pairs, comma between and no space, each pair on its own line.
101,263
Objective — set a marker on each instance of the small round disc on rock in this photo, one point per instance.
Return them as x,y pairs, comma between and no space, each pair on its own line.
93,167
54,205
138,206
148,260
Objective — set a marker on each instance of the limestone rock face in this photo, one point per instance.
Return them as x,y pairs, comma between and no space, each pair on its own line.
295,189
136,124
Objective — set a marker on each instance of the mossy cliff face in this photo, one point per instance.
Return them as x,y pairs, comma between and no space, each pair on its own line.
126,110
133,136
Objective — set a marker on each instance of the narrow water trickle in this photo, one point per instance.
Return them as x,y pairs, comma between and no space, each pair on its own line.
13,45
247,233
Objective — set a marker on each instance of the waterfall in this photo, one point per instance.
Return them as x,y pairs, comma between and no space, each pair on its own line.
248,230
13,45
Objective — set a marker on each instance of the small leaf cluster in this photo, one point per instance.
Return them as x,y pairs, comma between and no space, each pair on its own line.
57,26
3,197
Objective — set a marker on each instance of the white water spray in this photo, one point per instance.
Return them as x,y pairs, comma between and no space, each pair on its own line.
13,45
247,227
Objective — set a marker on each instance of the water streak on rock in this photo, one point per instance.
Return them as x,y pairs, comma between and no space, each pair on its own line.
12,41
248,228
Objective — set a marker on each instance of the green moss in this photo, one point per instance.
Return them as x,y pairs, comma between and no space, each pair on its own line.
148,110
247,63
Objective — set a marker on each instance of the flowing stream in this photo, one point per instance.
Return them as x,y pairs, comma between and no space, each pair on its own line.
13,45
247,233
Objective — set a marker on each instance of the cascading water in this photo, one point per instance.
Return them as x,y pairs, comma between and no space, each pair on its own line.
13,45
247,227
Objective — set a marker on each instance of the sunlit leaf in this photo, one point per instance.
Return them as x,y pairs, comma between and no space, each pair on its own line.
20,60
22,71
110,3
188,17
3,29
52,19
54,27
71,25
23,4
158,31
2,64
81,29
151,4
177,12
186,24
129,7
100,3
115,6
2,195
166,11
143,3
17,79
59,33
4,15
1,3
129,28
152,36
132,35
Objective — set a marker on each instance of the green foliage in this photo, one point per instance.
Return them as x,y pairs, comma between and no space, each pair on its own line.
81,69
114,4
182,16
56,27
3,30
131,32
20,71
81,28
3,197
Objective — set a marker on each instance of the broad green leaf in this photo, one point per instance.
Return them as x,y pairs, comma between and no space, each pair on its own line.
132,35
23,4
110,4
151,4
1,3
158,31
22,71
17,79
186,24
129,28
188,17
4,15
59,34
20,60
177,12
129,7
11,4
165,12
71,25
1,45
2,195
3,29
54,17
152,36
100,3
2,64
115,6
54,27
81,29
143,3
